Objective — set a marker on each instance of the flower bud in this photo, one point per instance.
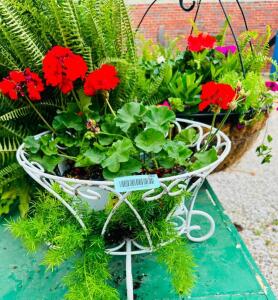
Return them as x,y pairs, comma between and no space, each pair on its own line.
89,135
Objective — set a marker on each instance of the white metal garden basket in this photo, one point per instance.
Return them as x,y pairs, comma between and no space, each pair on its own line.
95,191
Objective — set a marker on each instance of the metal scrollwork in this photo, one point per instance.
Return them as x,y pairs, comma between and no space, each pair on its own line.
189,8
96,194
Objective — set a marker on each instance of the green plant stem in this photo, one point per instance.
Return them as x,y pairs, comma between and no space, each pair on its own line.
170,132
76,99
211,128
40,115
155,163
217,130
67,156
106,98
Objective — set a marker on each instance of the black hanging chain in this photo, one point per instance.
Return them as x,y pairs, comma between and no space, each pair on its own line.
151,5
196,15
235,39
144,15
245,23
191,7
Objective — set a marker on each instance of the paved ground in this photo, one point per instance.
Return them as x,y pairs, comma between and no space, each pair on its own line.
249,194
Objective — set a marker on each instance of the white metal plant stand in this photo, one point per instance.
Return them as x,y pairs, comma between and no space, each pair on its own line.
95,191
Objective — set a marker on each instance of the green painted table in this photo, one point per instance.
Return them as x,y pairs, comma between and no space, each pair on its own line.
225,270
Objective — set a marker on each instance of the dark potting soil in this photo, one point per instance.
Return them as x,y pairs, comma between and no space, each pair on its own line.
95,172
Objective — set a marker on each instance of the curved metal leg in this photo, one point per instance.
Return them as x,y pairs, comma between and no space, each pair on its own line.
192,228
191,212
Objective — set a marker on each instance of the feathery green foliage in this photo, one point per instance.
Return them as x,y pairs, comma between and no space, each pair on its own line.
179,262
86,248
99,30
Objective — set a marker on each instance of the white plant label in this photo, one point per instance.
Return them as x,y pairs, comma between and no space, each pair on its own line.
136,183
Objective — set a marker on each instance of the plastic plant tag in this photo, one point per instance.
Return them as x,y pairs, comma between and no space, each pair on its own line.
136,183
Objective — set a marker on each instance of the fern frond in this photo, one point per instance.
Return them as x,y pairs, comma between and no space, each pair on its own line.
95,34
8,148
27,110
151,87
72,34
13,130
10,173
26,46
16,113
7,60
245,38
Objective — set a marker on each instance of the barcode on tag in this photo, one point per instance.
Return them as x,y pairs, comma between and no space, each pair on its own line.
136,183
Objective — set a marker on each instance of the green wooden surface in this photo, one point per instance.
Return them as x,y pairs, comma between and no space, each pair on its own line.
225,269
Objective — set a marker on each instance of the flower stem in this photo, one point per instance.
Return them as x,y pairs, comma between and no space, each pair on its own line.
211,128
76,99
67,156
218,129
106,98
40,115
155,162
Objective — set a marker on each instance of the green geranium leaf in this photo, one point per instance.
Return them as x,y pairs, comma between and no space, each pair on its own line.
129,114
189,136
109,129
150,140
178,151
69,119
48,145
66,140
118,153
32,144
85,101
49,163
203,159
90,157
159,118
127,168
164,160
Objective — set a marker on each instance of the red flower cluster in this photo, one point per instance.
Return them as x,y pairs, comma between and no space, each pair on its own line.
218,94
34,85
62,67
200,42
104,78
14,85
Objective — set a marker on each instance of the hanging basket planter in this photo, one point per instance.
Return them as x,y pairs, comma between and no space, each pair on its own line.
96,194
242,136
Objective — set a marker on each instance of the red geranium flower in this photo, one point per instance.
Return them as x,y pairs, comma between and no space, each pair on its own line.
200,42
218,94
34,85
14,85
62,67
104,78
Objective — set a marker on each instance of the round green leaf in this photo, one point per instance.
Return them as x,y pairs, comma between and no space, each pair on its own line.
150,140
159,118
129,114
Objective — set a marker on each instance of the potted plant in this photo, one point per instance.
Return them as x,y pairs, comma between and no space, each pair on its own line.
126,174
180,76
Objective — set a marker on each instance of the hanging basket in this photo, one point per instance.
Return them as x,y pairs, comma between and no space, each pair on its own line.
242,137
96,194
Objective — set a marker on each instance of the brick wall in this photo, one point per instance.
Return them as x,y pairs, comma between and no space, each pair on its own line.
175,22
